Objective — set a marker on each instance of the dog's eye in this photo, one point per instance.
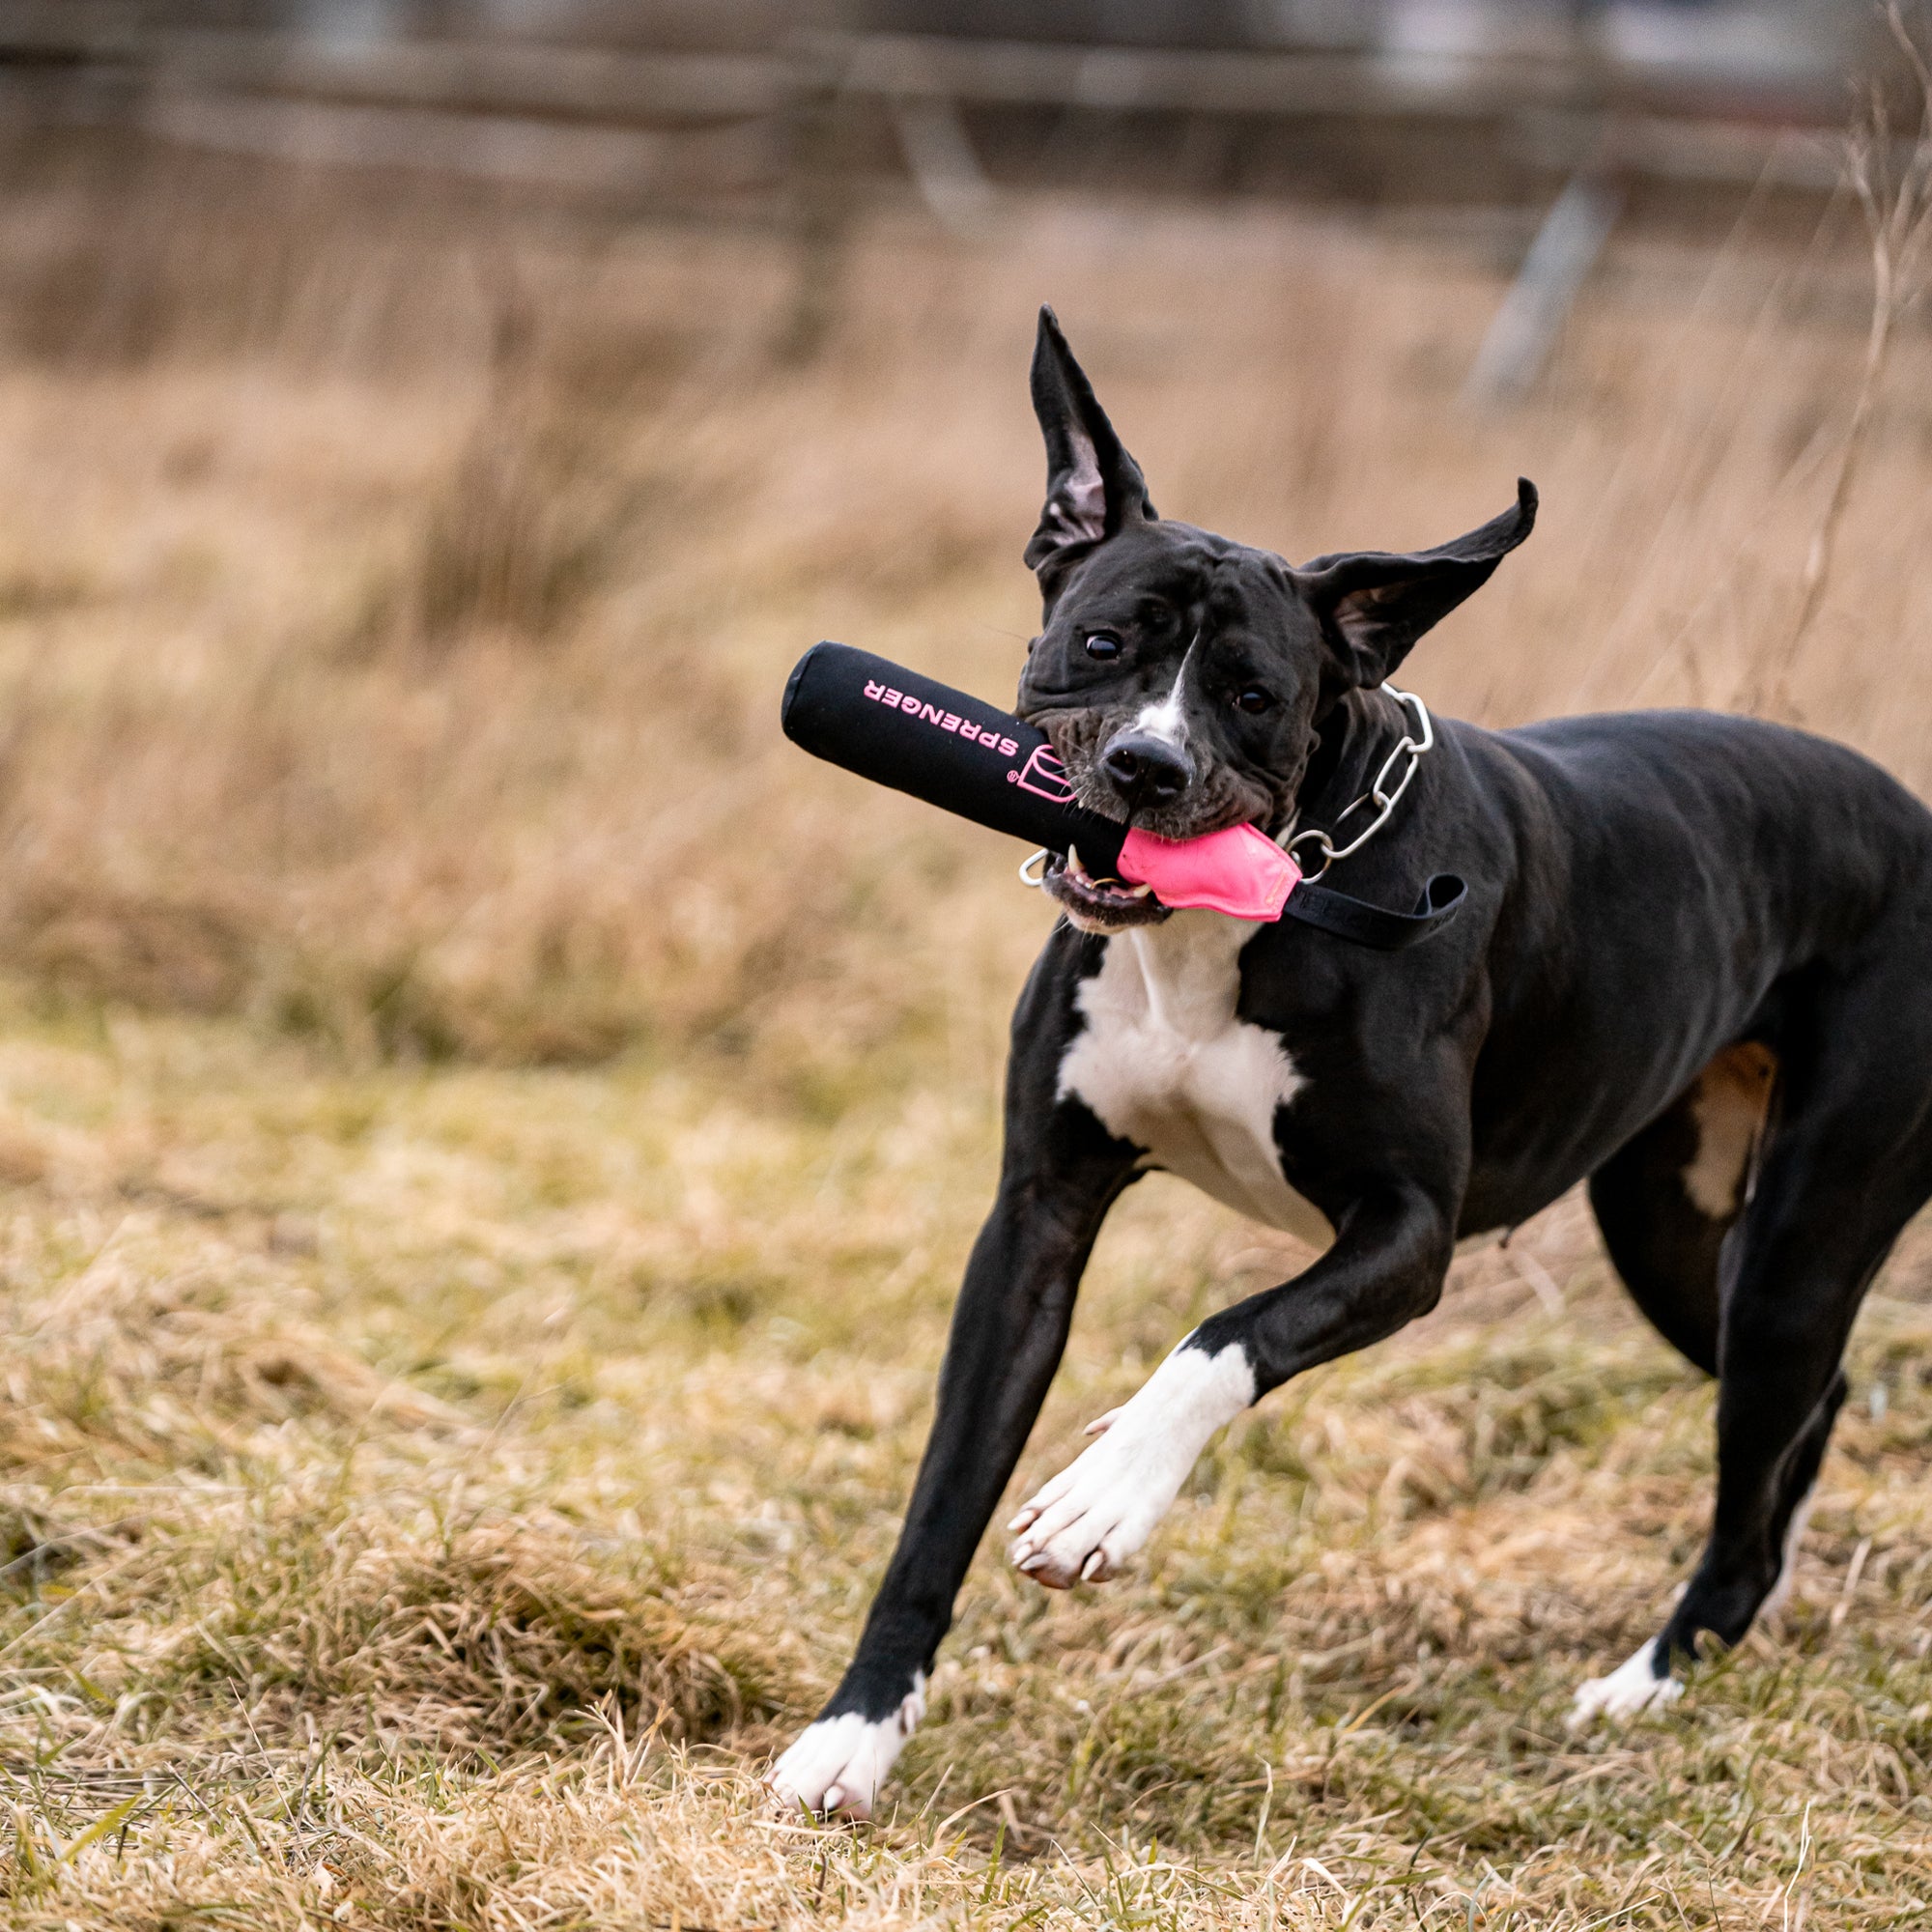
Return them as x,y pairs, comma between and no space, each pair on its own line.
1254,700
1104,645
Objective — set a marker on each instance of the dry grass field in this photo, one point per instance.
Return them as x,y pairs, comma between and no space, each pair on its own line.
488,1134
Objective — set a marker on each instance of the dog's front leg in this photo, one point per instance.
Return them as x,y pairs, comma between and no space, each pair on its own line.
1061,1173
1386,1266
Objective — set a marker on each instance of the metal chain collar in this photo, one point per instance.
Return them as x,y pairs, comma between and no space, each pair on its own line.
1377,794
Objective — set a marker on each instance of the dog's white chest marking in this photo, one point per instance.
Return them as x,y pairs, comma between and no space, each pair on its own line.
1163,1062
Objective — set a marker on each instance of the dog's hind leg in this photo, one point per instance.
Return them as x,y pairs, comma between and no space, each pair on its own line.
1667,1199
1644,1680
1847,1164
1665,1202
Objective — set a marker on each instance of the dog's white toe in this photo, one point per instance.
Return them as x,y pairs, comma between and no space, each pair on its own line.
1098,1511
1631,1689
1101,1515
836,1767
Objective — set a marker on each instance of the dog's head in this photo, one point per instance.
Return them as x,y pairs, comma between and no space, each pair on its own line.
1182,677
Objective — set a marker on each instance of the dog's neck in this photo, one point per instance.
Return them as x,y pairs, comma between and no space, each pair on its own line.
1350,743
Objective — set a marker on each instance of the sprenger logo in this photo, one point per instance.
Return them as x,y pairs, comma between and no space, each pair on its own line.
1046,777
947,721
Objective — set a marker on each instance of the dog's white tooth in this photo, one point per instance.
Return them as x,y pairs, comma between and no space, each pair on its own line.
1138,892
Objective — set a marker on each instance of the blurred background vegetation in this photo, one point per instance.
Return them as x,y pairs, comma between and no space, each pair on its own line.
431,431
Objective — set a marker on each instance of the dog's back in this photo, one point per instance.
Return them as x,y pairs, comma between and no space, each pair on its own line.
1836,836
1686,881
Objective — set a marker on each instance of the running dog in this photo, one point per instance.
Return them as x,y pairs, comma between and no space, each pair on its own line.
1689,969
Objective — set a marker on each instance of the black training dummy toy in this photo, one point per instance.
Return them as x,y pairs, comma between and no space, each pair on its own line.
967,756
970,758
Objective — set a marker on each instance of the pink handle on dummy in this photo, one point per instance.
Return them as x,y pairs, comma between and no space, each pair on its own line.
1238,870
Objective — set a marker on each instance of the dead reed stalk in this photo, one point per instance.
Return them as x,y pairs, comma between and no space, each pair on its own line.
1891,177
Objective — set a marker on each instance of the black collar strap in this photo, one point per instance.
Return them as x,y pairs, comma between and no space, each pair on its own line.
1329,911
1337,912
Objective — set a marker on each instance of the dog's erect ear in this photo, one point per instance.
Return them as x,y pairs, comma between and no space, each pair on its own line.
1092,485
1374,605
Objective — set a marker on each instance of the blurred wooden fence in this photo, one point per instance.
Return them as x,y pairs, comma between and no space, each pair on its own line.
687,123
802,125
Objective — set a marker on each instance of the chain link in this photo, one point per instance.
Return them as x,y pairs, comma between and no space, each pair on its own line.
1377,794
1033,867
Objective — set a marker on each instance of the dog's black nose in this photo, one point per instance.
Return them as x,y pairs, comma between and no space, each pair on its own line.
1146,770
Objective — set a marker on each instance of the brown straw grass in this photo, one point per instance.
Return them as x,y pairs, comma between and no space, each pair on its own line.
428,1493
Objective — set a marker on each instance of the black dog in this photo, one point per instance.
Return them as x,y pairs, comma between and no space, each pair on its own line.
1691,966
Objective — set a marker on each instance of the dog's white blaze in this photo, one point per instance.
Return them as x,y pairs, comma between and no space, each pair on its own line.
1164,1063
1632,1687
1167,720
1102,1507
838,1763
1164,721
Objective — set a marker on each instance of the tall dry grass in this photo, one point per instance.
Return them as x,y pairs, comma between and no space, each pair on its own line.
394,596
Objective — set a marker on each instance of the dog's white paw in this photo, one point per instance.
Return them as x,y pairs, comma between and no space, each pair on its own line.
1631,1688
1099,1510
836,1767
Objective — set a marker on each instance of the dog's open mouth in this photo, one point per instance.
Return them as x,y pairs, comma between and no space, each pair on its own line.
1098,905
